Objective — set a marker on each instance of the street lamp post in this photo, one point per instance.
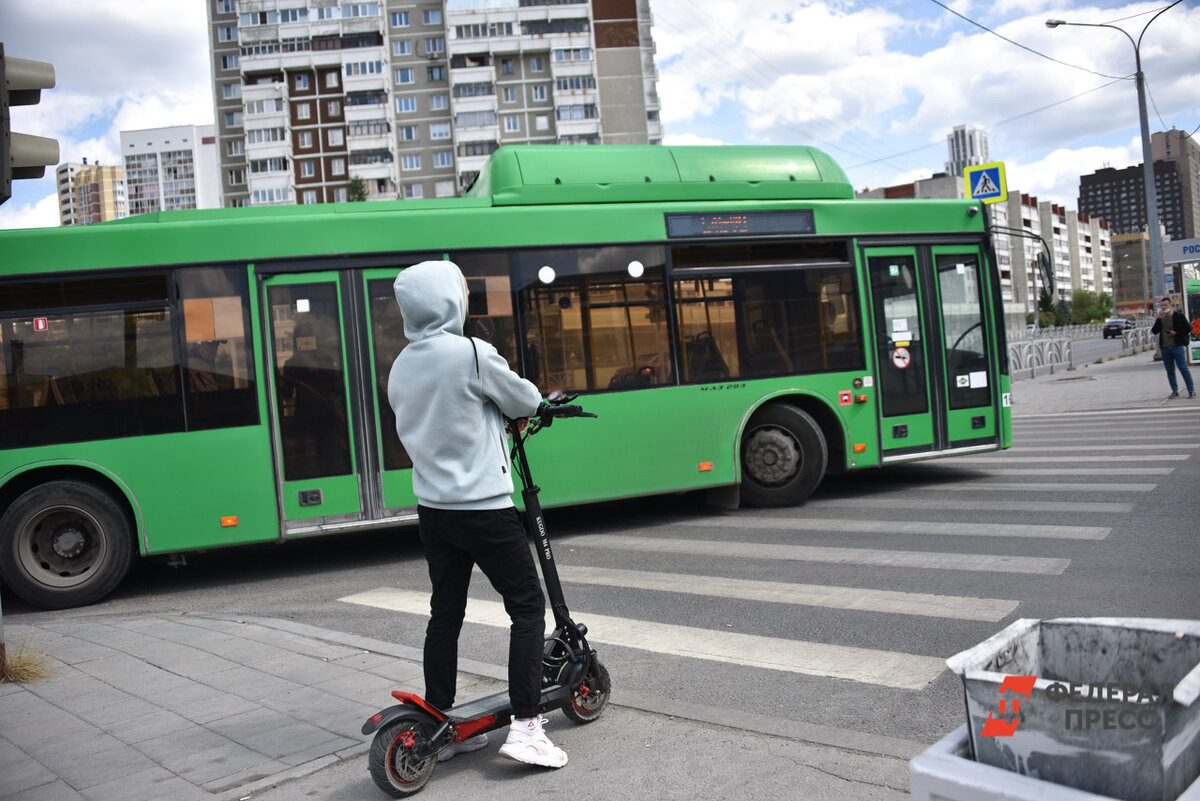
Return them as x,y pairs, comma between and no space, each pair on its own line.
1156,254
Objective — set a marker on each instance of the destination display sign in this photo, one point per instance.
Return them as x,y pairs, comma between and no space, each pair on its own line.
740,223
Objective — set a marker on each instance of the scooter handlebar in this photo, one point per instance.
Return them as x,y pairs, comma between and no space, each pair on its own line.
549,410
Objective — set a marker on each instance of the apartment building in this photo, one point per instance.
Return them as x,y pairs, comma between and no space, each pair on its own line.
168,169
90,193
410,98
968,147
1119,196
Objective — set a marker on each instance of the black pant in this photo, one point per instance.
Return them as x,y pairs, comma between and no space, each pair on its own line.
494,539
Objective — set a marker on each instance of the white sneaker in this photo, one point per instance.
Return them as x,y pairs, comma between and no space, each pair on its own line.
528,743
467,745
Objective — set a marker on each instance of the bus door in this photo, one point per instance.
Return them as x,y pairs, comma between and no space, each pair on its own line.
937,377
323,475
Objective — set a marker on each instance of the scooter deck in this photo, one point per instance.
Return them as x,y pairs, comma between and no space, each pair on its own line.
498,704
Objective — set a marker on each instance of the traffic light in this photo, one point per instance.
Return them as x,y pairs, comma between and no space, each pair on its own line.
21,155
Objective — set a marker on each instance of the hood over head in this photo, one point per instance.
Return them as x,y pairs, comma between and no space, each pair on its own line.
432,298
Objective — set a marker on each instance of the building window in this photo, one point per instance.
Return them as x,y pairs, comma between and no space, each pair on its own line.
402,47
236,147
309,197
308,169
542,122
413,191
227,33
443,189
360,10
335,137
506,66
334,108
231,91
226,6
433,17
512,124
364,67
408,133
443,158
301,81
303,111
410,162
337,166
293,15
510,95
306,139
229,62
539,93
435,74
573,54
331,80
405,105
400,19
537,64
405,75
340,195
237,177
439,102
233,119
439,130
434,45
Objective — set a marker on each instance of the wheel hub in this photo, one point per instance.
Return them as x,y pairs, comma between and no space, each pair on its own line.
69,542
772,457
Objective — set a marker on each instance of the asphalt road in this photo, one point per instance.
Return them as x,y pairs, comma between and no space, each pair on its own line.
834,616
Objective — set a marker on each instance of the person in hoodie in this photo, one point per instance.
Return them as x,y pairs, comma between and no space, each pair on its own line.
451,394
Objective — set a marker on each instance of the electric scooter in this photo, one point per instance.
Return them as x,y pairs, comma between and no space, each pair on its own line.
410,735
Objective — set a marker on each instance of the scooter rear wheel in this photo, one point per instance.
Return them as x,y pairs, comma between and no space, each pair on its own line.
392,764
591,697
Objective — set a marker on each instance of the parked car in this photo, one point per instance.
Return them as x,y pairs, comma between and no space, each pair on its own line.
1114,327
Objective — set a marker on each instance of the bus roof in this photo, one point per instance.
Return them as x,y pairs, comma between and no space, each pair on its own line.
524,175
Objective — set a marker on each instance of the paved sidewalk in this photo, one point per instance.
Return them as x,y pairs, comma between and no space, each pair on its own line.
1127,382
185,707
182,707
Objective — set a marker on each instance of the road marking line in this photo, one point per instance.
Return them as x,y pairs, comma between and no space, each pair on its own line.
1081,471
906,527
973,484
858,599
1143,447
987,563
1006,459
865,665
999,506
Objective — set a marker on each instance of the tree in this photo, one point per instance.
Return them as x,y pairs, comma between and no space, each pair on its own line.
356,191
1088,307
1063,314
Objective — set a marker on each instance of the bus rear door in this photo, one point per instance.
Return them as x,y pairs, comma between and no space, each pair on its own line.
938,380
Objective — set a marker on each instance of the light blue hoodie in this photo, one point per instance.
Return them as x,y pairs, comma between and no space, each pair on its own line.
450,399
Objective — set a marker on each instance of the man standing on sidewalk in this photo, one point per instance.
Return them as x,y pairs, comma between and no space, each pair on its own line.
1173,332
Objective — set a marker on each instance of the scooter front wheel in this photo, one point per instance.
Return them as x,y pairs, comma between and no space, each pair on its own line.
393,765
591,696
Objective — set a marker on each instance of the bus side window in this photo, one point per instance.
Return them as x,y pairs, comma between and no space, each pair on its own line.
219,372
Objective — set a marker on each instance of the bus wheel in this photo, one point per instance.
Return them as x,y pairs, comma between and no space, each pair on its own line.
783,456
63,544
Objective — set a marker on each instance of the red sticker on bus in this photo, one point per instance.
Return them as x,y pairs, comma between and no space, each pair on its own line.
40,324
846,397
901,358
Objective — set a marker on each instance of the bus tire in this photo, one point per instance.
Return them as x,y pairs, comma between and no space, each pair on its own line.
784,456
64,544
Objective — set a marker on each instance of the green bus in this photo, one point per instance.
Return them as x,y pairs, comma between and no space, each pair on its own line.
741,324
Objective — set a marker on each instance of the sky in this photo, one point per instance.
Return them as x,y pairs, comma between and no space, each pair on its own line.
877,85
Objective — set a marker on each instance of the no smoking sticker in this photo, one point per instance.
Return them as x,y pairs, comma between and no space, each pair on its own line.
901,358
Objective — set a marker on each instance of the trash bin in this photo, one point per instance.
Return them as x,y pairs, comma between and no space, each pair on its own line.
946,772
1105,705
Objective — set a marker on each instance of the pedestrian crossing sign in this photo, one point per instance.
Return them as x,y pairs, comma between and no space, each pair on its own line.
985,182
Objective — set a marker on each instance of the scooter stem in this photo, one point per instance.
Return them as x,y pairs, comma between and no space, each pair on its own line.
541,538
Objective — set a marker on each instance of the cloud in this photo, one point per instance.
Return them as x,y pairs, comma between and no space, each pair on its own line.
689,139
41,214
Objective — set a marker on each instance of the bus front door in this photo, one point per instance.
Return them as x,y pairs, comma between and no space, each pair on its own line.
318,466
936,372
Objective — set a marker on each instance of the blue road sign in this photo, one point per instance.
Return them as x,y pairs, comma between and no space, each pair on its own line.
985,182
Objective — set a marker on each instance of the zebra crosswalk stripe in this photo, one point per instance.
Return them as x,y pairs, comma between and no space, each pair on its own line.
865,665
